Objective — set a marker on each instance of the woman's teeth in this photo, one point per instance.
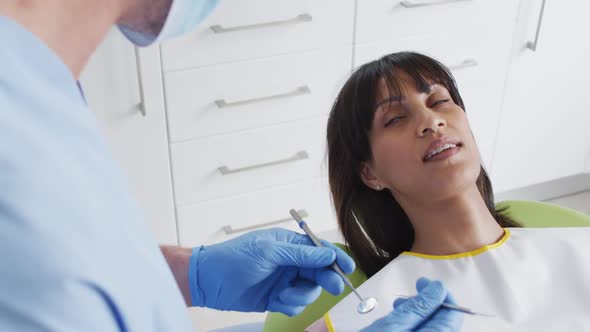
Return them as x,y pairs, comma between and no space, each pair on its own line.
441,149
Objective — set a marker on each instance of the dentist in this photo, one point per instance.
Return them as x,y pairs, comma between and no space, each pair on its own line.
76,254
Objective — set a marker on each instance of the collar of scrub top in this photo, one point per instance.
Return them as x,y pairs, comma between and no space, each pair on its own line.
30,51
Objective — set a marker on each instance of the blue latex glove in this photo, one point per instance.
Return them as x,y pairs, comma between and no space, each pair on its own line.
421,312
271,270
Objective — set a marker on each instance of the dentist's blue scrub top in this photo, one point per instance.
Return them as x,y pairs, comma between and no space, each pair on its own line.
75,253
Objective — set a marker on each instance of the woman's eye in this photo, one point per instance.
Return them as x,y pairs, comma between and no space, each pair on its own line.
439,102
393,120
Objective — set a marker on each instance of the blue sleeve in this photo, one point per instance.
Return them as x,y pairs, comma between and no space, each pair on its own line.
60,306
39,287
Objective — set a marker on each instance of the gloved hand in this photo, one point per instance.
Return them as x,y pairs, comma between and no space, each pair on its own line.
271,270
421,312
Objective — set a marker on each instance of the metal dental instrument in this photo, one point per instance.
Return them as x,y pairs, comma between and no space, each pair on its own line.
366,304
454,307
444,305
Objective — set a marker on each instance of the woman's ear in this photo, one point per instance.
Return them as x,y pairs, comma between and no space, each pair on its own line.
369,177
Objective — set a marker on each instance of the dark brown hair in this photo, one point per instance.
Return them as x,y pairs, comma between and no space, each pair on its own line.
383,230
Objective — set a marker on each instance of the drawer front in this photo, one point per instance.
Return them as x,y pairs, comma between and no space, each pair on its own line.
257,93
479,66
225,218
385,19
239,30
238,163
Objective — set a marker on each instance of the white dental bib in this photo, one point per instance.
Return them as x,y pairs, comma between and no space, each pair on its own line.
531,280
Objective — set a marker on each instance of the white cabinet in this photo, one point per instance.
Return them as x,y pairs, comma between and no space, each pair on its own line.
247,98
248,161
139,143
228,98
379,20
543,133
240,30
217,220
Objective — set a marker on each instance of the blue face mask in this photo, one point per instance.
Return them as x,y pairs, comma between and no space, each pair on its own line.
183,17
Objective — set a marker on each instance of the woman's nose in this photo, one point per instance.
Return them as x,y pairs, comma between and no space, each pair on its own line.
430,122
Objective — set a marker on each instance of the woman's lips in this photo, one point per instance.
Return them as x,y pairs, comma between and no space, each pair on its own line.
444,154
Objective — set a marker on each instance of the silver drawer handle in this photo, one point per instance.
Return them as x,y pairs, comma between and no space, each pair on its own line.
301,155
230,230
465,64
532,45
427,3
297,19
302,90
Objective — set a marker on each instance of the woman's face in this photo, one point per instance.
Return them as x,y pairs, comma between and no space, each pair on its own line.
421,144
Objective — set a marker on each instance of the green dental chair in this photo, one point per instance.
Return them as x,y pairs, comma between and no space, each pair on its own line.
528,213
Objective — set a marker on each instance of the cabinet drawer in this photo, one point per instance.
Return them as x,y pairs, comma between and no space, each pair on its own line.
479,66
251,160
222,219
239,30
232,97
385,19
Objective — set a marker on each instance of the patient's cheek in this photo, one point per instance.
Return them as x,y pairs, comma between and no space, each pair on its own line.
395,161
318,326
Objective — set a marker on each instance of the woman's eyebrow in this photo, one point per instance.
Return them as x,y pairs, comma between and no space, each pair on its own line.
435,86
396,99
389,100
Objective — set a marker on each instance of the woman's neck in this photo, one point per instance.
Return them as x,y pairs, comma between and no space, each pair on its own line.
454,225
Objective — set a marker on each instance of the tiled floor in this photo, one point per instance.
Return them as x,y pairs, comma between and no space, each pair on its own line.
580,202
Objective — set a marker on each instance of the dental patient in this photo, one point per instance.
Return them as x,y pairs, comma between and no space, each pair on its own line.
413,199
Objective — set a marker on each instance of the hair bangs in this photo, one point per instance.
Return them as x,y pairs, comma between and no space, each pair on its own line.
423,70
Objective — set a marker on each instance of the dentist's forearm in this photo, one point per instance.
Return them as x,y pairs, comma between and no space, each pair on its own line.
178,260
